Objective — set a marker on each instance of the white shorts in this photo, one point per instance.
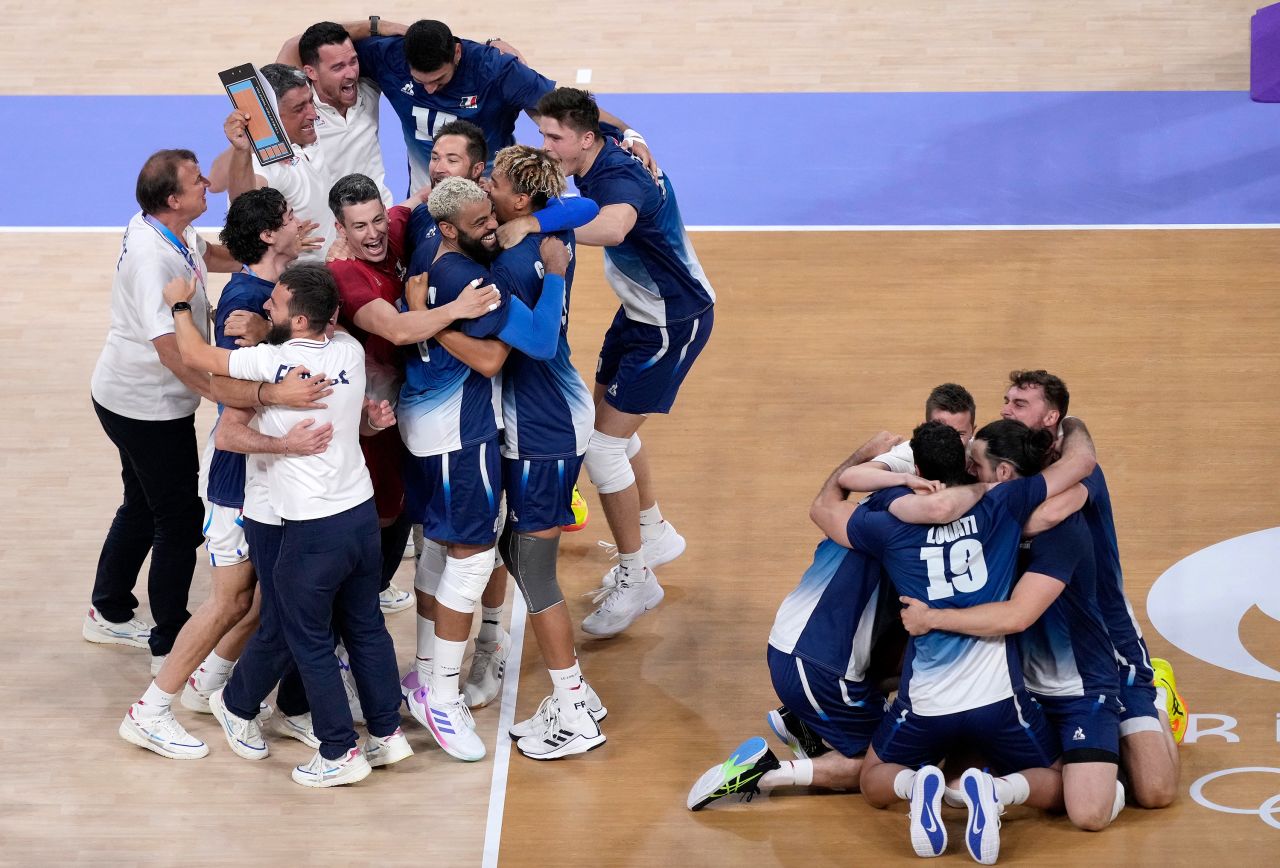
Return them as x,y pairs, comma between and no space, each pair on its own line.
224,536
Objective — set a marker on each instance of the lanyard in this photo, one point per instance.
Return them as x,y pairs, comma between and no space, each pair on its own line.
177,244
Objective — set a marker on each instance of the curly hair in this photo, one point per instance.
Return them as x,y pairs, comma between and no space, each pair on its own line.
450,196
531,172
1055,391
251,214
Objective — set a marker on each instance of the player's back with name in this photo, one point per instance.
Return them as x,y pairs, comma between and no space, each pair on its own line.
313,486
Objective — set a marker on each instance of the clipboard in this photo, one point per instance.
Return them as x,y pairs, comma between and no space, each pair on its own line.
251,94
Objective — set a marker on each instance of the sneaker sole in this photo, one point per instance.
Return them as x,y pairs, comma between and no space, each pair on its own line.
928,802
241,750
389,760
784,735
648,607
573,748
986,849
337,781
132,736
98,638
744,759
395,607
298,735
598,717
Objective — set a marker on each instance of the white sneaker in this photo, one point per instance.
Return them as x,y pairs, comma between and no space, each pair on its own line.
412,680
349,685
156,663
663,549
320,772
161,734
393,599
385,751
299,727
243,736
563,734
484,679
982,831
133,633
410,550
622,604
199,687
539,721
450,723
928,834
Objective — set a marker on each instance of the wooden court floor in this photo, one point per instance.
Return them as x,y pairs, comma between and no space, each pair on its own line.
1167,340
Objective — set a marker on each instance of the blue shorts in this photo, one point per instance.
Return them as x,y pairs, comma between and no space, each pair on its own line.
455,495
1012,734
1138,701
1087,726
643,365
845,714
540,492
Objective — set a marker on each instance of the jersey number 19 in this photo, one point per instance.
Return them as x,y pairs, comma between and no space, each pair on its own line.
968,568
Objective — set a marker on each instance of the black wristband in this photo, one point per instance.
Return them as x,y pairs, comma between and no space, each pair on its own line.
373,24
180,306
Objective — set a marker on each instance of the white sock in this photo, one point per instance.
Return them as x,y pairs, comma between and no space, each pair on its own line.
215,665
1118,805
903,783
445,668
632,566
567,687
1012,789
155,701
490,624
426,641
792,773
650,522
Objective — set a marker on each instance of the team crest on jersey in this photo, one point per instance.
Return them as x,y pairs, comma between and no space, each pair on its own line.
468,102
539,270
401,271
408,88
1079,734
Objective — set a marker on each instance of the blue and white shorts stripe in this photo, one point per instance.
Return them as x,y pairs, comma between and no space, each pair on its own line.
455,496
224,535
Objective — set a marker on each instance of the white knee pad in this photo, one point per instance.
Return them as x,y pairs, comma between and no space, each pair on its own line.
607,463
430,567
464,581
633,445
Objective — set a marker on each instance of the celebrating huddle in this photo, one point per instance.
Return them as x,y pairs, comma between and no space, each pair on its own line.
378,368
1024,679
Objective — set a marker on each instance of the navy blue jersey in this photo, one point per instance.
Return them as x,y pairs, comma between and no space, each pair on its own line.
966,563
654,271
421,240
488,88
1132,658
244,291
830,618
1067,652
445,405
546,408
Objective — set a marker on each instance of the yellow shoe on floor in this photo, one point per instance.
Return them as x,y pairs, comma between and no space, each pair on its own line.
1174,704
580,514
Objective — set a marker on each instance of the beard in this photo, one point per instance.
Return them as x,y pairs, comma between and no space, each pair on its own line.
475,250
279,333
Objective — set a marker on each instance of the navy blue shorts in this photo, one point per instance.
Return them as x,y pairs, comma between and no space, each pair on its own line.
844,713
642,365
540,492
1084,723
1012,734
454,496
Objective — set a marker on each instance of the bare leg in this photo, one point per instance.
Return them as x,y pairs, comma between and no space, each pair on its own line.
621,508
231,645
230,600
1150,759
1090,792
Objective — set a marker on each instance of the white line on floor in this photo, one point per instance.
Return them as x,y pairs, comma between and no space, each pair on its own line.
502,743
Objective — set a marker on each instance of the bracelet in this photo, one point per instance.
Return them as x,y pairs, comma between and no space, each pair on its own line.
258,399
492,39
375,428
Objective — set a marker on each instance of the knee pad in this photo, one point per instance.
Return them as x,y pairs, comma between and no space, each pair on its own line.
633,445
464,581
532,560
430,568
607,464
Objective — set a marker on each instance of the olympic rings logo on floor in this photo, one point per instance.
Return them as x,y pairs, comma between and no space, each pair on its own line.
1268,811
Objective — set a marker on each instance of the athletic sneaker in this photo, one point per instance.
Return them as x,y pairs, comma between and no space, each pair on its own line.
199,687
928,835
663,549
393,599
564,735
739,775
795,734
387,750
581,515
244,736
484,679
622,604
298,726
134,633
349,685
450,724
541,718
412,681
982,831
1175,706
161,734
320,772
410,550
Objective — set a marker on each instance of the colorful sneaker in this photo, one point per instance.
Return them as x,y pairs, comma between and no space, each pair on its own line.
133,633
298,726
795,734
387,750
450,724
541,718
982,832
928,835
581,515
621,604
1175,707
161,734
412,681
393,599
320,772
484,679
563,735
739,775
349,685
244,736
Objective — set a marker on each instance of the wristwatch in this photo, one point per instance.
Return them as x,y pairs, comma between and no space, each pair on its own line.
181,306
373,24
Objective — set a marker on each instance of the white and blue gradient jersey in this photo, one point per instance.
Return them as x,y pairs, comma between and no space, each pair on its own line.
546,407
1067,651
488,88
1132,658
966,563
445,405
830,619
654,271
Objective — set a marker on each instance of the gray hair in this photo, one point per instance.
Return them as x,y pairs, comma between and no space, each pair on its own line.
452,195
284,78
